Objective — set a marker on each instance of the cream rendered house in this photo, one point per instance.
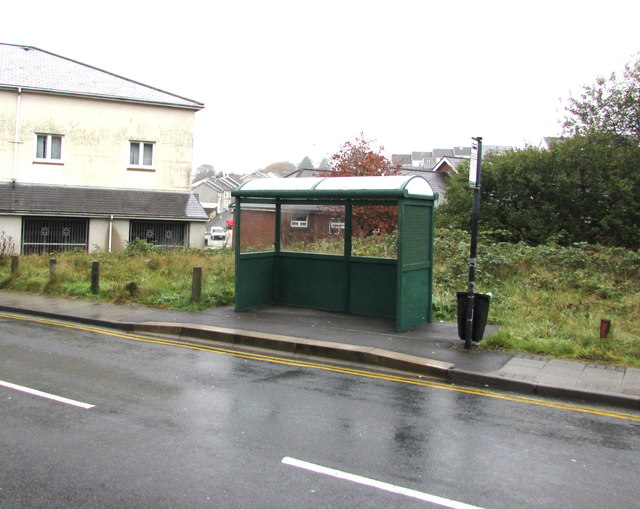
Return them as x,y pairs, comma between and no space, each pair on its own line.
92,160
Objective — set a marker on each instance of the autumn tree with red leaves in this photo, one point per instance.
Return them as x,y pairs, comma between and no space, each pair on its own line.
359,158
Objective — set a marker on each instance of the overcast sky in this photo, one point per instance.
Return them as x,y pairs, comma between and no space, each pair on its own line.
283,79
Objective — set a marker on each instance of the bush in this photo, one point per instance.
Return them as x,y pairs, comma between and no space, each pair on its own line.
584,189
138,247
7,248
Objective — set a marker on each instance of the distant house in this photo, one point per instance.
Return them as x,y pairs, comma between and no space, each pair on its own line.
438,164
91,160
437,180
548,141
277,170
401,160
214,193
449,164
308,173
209,194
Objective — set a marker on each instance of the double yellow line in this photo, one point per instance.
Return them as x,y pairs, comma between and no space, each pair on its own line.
422,382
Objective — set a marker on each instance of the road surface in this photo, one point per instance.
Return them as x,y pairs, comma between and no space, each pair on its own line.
99,418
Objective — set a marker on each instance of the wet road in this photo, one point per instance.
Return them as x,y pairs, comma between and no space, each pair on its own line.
178,427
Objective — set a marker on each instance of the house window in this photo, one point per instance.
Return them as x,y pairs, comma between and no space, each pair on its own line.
336,225
44,235
141,154
159,233
300,221
49,147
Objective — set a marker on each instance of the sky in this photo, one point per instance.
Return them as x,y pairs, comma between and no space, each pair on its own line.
284,79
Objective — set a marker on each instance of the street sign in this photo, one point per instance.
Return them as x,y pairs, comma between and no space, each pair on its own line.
473,163
475,174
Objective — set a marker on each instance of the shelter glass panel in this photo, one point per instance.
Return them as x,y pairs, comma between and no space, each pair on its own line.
311,228
374,231
257,227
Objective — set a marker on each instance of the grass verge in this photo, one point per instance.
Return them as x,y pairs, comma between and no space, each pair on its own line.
548,300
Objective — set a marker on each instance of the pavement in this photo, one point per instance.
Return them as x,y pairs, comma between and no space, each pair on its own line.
432,349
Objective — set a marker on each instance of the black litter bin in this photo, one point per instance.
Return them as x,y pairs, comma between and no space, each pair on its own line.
480,314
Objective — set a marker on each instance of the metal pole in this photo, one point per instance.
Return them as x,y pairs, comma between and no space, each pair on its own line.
473,255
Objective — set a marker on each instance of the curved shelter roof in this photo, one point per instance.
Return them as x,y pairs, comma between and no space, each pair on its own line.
397,186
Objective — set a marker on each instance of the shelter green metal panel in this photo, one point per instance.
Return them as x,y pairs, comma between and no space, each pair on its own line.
314,281
255,281
415,264
372,287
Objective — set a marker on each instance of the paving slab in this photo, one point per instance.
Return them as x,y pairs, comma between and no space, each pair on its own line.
601,378
560,372
631,382
523,368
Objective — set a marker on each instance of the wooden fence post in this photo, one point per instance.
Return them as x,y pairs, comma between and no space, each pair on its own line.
15,264
95,277
196,284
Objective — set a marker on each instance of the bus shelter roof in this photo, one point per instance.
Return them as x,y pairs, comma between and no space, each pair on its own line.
396,186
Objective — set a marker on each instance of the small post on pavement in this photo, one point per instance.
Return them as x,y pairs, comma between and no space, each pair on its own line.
95,277
475,174
605,325
196,284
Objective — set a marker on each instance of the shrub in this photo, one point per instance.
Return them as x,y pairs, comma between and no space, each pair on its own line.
7,248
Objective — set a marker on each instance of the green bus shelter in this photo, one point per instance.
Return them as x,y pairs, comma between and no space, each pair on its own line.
361,245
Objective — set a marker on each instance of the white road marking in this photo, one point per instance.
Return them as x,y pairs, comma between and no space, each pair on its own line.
41,394
445,502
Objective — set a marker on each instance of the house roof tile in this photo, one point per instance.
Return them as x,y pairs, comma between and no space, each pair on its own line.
400,159
419,156
37,70
442,152
437,181
89,202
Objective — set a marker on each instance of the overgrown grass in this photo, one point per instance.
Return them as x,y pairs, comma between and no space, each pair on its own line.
152,277
547,300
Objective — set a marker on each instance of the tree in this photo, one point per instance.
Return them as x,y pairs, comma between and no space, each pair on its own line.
203,171
358,158
282,168
610,105
325,164
584,189
305,164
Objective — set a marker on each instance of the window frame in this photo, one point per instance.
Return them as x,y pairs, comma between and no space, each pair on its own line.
160,234
49,137
336,225
300,223
141,155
